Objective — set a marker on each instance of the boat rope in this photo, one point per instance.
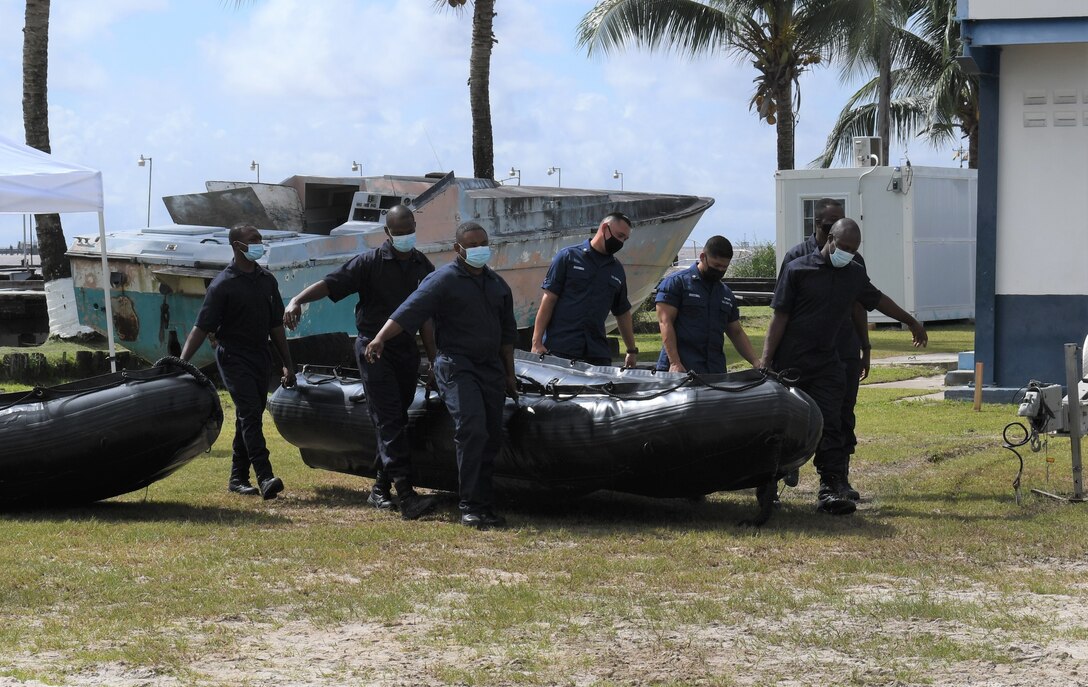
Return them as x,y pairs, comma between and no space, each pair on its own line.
174,361
613,389
36,392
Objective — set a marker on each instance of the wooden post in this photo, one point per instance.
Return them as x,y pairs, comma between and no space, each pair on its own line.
978,387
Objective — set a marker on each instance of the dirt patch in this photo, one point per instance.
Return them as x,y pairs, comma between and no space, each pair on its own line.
811,645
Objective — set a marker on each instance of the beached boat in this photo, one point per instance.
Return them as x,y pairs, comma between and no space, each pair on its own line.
312,225
657,434
104,436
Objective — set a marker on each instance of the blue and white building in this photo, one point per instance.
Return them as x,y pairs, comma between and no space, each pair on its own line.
1031,290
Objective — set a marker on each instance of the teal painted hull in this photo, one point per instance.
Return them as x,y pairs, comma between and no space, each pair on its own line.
163,321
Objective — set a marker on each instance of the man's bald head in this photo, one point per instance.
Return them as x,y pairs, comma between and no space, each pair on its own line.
400,220
846,234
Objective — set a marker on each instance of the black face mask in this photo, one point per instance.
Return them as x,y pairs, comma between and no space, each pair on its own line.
612,244
713,275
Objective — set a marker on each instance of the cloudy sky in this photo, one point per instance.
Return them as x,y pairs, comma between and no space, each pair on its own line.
309,86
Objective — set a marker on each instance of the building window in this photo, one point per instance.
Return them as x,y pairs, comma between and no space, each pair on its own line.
808,213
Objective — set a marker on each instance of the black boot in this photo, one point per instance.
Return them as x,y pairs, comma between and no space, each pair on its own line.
243,487
830,498
412,504
239,479
269,484
380,497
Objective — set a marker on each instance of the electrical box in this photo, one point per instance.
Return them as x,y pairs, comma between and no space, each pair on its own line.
867,151
1043,405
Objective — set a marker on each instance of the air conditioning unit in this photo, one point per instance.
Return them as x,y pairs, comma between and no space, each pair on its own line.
867,151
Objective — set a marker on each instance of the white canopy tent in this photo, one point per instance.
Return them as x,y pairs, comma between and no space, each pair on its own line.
33,182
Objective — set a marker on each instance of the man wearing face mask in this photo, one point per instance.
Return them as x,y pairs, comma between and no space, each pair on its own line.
583,284
695,311
383,278
853,350
243,309
814,296
474,328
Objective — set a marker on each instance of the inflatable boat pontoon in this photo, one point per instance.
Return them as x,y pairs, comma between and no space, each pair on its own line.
104,436
656,434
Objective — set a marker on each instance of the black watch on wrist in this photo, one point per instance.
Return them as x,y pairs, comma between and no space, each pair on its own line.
632,351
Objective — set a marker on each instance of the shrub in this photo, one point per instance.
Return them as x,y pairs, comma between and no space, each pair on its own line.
760,262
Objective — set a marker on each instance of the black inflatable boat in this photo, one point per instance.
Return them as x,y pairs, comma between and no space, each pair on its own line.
104,436
657,434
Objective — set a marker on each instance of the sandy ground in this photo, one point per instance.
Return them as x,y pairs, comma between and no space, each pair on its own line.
296,653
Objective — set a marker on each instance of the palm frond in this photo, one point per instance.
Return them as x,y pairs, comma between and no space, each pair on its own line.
686,26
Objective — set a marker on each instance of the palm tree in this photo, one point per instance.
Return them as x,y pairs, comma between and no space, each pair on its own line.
931,95
782,38
479,83
877,39
52,245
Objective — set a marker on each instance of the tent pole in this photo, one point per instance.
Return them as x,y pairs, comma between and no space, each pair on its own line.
106,288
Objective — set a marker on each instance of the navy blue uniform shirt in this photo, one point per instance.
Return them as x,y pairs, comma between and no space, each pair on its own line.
473,314
241,309
704,309
589,285
847,342
383,282
818,298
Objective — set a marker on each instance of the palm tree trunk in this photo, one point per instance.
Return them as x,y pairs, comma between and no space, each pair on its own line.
479,85
36,123
785,125
884,99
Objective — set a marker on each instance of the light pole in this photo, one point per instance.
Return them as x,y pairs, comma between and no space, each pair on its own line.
617,174
559,171
514,174
356,167
255,166
141,162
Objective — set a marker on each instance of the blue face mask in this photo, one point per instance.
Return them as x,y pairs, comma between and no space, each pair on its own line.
254,252
841,258
478,256
403,243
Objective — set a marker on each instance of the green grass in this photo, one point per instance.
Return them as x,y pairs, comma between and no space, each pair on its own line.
887,341
937,576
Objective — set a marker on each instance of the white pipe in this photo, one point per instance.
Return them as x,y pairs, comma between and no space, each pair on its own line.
106,289
861,198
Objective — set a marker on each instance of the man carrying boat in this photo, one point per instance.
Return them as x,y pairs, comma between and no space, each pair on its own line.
852,349
696,311
383,278
473,313
583,284
243,309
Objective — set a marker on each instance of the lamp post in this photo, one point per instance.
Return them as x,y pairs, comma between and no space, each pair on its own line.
559,171
256,167
356,167
514,174
142,162
617,174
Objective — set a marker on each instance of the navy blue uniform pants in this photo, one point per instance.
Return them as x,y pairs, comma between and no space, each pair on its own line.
390,386
849,400
475,396
826,385
246,378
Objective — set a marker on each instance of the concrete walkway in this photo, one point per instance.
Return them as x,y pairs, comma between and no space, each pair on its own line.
949,361
929,388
